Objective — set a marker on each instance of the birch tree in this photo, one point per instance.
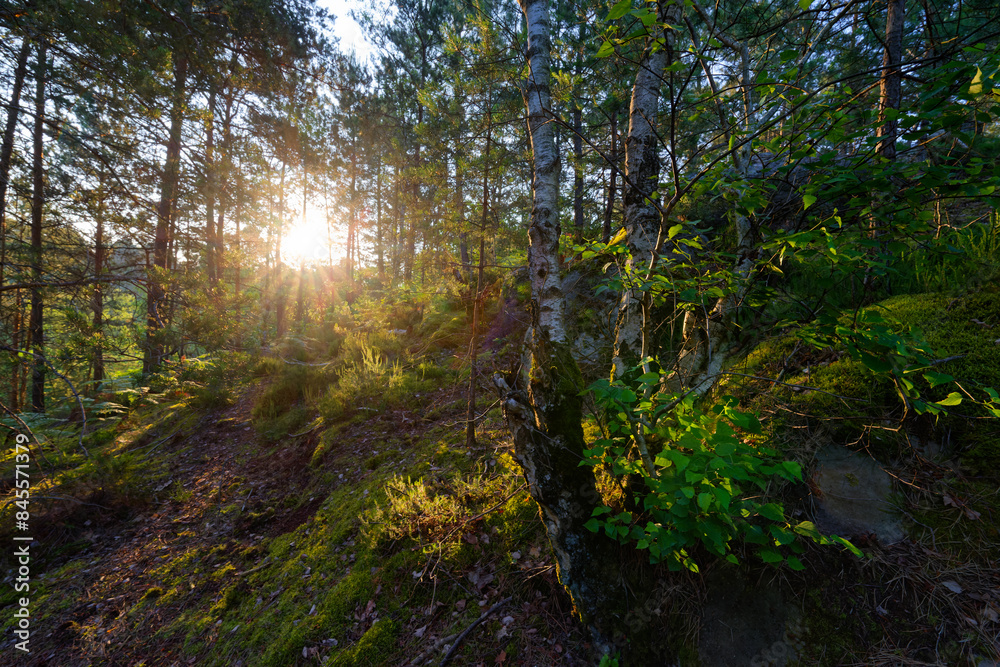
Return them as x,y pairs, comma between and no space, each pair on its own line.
544,410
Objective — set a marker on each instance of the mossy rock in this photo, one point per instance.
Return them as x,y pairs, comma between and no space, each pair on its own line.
962,329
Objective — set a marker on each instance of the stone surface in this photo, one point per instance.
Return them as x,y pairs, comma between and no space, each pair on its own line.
745,625
852,496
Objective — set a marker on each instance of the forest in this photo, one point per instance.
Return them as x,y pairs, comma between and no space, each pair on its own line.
648,332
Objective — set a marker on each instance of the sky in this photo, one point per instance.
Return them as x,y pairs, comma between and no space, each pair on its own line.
346,28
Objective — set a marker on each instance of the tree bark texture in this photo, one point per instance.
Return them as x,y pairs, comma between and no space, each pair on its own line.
210,241
642,170
164,212
7,148
545,420
890,85
613,182
36,324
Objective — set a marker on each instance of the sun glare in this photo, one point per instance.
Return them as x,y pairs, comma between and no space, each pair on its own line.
307,241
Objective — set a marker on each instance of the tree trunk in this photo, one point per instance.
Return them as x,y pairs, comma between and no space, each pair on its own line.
642,169
890,88
98,298
613,181
470,429
210,242
578,173
463,241
7,149
36,325
164,221
279,274
378,220
545,421
237,265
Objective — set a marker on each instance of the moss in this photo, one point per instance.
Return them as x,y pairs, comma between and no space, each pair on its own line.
562,383
151,593
375,646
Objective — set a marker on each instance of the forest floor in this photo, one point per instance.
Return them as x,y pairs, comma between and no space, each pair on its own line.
267,511
185,578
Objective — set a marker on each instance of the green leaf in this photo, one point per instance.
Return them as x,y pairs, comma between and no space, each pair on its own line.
937,379
725,448
746,421
875,364
606,50
723,496
807,200
795,564
771,511
770,556
793,469
593,525
675,457
674,231
704,500
954,398
782,536
619,10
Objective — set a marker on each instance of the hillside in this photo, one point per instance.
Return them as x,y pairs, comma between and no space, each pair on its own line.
295,510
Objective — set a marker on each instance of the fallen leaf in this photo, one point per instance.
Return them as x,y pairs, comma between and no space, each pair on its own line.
420,631
534,552
952,586
501,658
507,620
514,555
972,514
460,605
990,614
470,538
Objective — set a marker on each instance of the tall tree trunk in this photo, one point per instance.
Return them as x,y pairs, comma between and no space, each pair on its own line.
237,264
578,173
15,342
642,168
352,220
301,301
210,241
578,141
398,217
164,221
36,325
378,220
98,297
7,148
613,182
545,421
279,277
890,88
470,429
463,235
224,193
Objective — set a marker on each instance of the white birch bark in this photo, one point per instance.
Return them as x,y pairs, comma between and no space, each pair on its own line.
545,420
543,235
642,171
